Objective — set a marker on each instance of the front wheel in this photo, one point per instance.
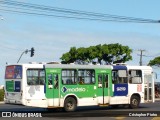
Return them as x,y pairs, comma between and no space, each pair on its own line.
134,103
70,104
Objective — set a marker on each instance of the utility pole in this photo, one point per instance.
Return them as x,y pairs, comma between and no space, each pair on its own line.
141,54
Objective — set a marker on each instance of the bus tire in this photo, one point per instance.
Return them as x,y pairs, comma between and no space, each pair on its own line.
134,103
70,104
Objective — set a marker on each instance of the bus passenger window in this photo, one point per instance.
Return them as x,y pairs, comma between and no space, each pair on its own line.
69,76
106,81
50,79
100,81
116,79
81,80
56,81
35,76
86,76
135,76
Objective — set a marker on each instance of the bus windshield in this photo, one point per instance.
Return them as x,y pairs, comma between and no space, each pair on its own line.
13,72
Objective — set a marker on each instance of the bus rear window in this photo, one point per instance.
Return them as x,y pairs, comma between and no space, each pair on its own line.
13,72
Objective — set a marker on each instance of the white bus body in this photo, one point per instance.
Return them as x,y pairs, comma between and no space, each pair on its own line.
18,90
140,83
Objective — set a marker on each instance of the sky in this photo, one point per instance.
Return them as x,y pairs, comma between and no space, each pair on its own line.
53,36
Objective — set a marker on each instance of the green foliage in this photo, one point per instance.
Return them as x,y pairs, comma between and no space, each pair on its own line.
109,53
154,62
1,94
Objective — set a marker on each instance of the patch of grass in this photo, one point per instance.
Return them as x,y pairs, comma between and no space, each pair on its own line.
1,94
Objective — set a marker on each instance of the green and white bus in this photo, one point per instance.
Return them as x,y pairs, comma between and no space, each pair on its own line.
69,86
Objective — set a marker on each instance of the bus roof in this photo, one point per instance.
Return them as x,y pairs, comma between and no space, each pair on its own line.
140,67
125,67
28,65
119,67
78,66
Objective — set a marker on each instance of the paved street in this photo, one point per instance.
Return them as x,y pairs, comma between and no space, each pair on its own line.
94,113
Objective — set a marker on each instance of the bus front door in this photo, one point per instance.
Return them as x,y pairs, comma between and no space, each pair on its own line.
52,90
103,96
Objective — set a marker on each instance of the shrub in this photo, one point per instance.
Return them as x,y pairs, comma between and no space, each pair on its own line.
1,94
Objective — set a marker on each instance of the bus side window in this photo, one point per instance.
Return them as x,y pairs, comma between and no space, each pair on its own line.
35,76
86,76
56,81
115,77
41,77
81,80
100,81
106,81
69,76
50,79
135,76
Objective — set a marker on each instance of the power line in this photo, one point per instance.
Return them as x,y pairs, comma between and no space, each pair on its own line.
70,17
156,55
49,8
66,13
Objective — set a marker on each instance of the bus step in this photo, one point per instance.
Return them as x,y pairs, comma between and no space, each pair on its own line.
103,105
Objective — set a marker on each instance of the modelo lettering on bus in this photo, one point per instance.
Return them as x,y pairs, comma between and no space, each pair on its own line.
121,88
76,90
64,89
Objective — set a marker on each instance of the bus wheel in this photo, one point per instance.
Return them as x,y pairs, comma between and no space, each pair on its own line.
70,104
134,103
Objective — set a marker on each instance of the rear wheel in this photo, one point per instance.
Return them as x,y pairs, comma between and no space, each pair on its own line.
70,104
134,103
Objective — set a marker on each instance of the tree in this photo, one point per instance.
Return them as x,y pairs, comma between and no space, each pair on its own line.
82,55
155,61
109,53
70,56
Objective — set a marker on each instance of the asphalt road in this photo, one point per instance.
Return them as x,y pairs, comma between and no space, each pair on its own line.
145,111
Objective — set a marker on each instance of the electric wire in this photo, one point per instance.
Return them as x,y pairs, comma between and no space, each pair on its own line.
49,8
62,16
49,11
